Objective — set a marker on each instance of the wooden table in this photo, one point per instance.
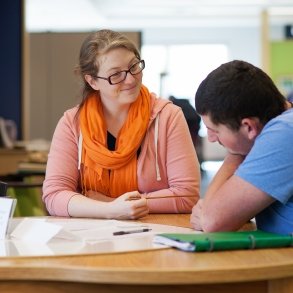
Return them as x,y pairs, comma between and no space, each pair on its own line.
9,159
13,161
167,270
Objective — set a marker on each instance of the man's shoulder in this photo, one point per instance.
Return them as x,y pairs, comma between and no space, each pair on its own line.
283,122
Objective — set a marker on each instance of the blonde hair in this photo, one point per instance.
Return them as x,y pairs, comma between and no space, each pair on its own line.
95,45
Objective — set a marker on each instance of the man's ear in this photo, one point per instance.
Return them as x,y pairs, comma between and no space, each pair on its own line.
251,126
91,81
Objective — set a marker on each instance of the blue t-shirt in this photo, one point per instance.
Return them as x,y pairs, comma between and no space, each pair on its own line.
269,167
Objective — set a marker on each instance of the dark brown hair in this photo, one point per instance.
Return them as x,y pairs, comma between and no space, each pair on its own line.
237,90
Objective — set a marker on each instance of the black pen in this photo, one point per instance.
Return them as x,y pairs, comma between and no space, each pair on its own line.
131,231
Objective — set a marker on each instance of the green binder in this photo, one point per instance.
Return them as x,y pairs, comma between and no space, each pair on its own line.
224,240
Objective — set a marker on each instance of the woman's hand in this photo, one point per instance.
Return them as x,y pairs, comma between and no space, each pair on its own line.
129,205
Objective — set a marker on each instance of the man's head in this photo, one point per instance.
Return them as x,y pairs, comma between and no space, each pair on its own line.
237,90
235,101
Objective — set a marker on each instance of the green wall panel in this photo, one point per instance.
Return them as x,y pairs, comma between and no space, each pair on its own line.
282,65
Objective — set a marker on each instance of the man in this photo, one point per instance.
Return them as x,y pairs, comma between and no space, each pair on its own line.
245,112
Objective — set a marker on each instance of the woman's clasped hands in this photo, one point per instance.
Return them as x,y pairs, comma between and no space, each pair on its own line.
130,205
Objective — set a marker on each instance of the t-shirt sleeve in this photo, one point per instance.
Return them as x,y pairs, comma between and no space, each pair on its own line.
269,165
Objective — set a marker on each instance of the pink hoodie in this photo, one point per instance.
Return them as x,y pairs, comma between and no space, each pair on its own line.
167,164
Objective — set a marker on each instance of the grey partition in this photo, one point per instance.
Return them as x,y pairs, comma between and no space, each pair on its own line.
53,85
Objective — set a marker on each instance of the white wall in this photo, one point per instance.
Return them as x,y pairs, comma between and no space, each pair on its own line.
243,42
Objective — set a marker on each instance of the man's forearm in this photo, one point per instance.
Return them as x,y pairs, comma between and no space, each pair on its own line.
227,169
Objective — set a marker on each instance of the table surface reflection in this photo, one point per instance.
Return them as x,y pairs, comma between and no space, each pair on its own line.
156,270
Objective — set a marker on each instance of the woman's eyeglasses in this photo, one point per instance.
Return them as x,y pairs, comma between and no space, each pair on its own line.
120,76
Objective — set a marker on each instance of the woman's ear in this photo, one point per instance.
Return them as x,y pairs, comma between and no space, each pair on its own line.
252,127
91,81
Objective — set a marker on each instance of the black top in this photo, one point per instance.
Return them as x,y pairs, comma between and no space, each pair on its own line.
111,141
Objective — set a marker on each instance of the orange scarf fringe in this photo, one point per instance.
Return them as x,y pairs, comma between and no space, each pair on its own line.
112,173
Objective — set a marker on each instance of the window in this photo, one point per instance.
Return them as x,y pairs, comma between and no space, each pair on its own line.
178,69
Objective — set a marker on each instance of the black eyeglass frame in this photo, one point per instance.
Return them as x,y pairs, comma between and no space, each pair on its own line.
126,72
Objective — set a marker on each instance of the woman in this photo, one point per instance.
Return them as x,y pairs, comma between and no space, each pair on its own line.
121,145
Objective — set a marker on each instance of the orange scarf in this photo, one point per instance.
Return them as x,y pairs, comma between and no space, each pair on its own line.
112,172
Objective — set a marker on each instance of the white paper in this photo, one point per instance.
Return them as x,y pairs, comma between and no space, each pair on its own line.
77,224
38,231
186,246
7,206
93,229
26,248
67,236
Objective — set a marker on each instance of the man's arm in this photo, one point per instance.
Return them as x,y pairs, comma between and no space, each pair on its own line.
230,201
227,169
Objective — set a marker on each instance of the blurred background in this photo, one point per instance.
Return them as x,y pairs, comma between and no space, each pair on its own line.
181,41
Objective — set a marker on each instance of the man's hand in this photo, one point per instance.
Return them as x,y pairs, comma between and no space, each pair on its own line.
195,218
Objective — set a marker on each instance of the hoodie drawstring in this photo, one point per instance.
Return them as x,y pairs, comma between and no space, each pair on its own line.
156,147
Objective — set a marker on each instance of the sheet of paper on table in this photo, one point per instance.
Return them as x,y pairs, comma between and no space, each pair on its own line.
7,206
65,236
